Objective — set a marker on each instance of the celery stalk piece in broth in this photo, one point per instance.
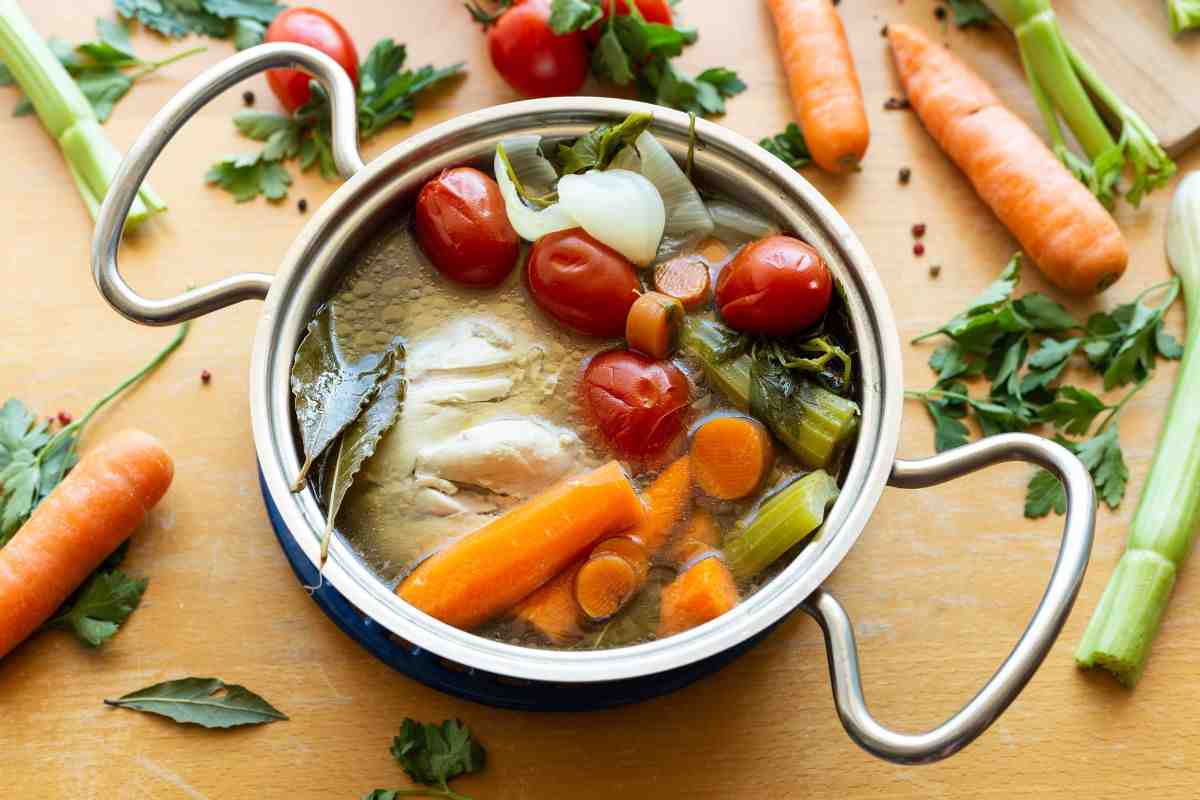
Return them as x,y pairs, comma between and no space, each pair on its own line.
66,114
781,523
1184,15
1064,85
1121,630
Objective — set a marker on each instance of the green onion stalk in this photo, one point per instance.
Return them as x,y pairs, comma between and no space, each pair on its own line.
66,114
1184,15
1121,630
1065,86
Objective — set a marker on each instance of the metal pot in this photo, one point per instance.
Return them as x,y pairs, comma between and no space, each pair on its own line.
724,161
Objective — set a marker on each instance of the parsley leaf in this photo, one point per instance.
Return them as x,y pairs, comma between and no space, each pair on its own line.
971,12
789,147
101,606
248,175
484,17
215,18
1044,494
1102,455
433,754
573,15
597,148
1073,410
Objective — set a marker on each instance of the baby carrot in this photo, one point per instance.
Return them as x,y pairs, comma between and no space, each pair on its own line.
731,457
825,90
87,516
1058,222
552,609
686,279
653,324
702,593
487,572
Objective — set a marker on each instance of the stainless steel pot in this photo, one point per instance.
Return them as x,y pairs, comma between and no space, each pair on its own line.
724,161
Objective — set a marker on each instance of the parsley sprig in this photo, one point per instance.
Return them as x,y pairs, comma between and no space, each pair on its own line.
1022,346
245,21
33,461
432,755
632,51
971,12
386,94
789,147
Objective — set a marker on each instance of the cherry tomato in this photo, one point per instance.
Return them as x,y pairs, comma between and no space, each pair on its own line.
652,11
637,403
463,227
531,57
582,283
775,286
316,29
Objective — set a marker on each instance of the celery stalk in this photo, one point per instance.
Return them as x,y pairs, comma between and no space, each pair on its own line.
731,376
781,523
1119,635
66,114
1184,15
1066,87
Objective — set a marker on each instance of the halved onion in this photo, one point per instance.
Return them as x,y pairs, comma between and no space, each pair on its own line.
735,224
688,220
529,224
533,169
620,208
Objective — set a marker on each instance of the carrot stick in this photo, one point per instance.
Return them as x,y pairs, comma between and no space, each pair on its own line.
1058,222
702,593
653,324
486,573
731,457
552,609
667,499
87,516
686,279
824,85
701,536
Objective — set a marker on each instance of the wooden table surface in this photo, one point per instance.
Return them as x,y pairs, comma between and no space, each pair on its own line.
939,586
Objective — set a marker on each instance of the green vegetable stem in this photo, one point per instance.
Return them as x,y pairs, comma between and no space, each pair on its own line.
1184,15
1121,630
780,524
66,113
1066,86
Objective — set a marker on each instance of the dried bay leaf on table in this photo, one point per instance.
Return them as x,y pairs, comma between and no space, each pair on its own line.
361,437
209,702
329,390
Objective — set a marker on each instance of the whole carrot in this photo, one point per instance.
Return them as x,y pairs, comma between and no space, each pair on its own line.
1058,222
825,91
96,507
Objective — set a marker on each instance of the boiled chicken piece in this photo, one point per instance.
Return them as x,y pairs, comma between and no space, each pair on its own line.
443,504
518,456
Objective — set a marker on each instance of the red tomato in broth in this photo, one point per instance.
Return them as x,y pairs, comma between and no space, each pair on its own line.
462,225
316,29
775,286
531,57
637,403
582,283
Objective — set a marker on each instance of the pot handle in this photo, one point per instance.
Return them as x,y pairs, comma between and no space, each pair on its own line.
132,171
974,718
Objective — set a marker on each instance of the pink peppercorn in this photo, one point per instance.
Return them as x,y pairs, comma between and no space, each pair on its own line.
918,249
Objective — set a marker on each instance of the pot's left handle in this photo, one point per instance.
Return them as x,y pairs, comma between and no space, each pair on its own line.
129,176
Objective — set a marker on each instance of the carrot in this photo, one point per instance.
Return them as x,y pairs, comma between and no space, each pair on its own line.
731,457
701,536
603,586
653,324
825,89
87,516
1058,222
552,609
702,593
713,250
686,279
486,573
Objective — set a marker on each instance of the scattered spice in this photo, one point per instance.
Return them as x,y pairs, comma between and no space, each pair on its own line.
64,418
248,97
205,376
905,176
935,270
918,230
940,12
302,205
883,31
896,104
918,249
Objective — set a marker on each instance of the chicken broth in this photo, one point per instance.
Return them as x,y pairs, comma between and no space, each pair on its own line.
509,415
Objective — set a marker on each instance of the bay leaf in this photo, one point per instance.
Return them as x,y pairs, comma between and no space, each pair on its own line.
361,437
209,702
328,389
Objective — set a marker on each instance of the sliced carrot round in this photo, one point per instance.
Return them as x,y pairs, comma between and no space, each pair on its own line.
731,457
604,585
686,279
653,324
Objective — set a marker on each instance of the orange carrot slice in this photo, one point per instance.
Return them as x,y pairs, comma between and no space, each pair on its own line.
686,279
605,583
702,593
701,536
552,609
653,324
668,500
731,457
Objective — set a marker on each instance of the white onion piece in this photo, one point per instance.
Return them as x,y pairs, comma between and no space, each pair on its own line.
620,208
627,158
530,225
688,220
532,168
735,224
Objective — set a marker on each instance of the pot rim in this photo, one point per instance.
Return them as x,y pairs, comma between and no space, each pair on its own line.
304,274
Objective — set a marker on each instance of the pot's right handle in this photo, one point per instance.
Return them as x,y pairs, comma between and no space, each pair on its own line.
129,176
1008,681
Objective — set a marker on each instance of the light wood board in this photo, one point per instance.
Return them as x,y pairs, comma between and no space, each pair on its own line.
939,587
